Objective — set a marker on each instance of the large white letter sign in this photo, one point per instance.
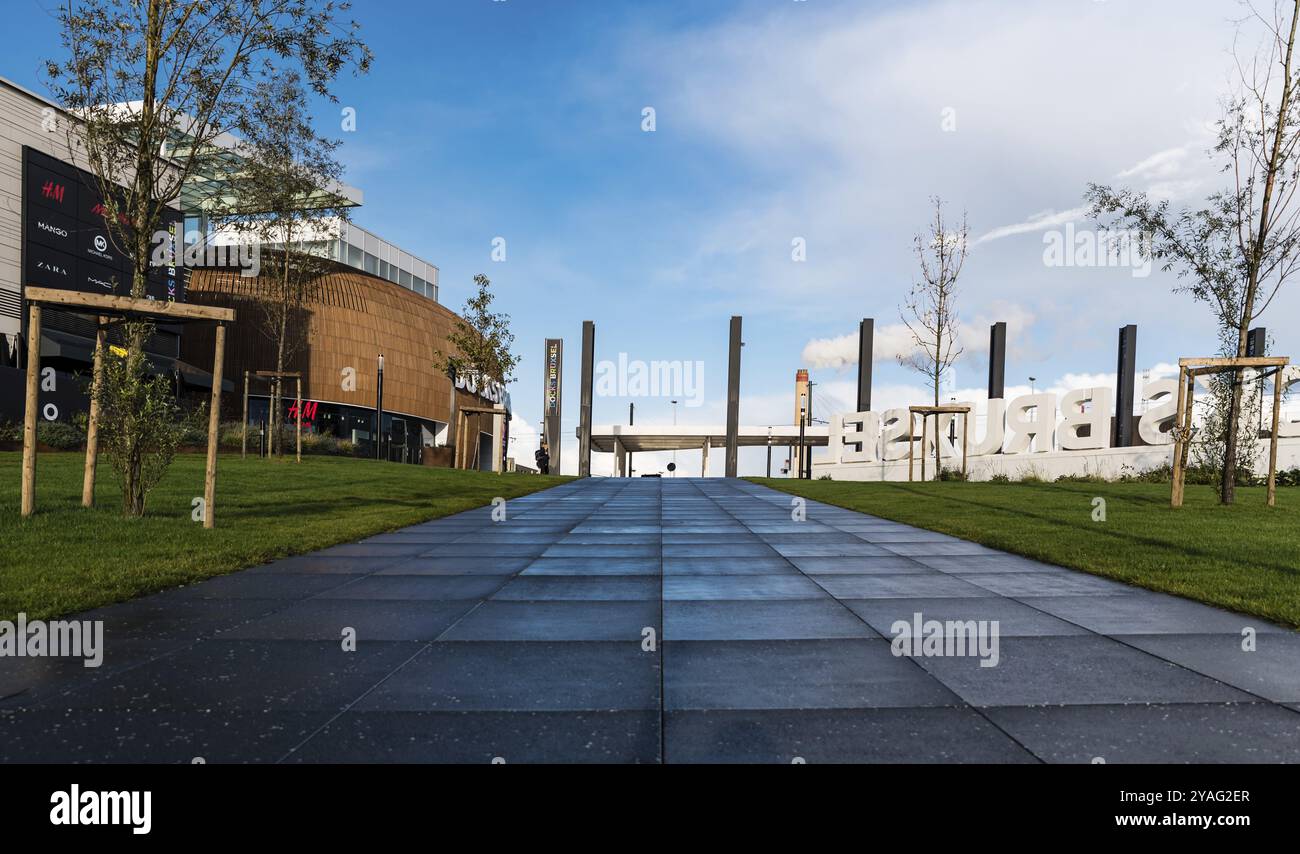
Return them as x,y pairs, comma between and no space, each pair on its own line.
994,432
896,435
1071,431
860,428
1157,423
1290,377
1031,433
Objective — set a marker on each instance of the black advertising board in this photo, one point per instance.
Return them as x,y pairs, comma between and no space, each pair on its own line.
67,243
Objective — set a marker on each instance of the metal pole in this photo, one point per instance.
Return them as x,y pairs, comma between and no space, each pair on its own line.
1272,439
802,450
379,411
299,419
631,420
243,428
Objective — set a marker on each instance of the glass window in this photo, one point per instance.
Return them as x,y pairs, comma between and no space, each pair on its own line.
383,269
406,279
354,256
372,264
417,284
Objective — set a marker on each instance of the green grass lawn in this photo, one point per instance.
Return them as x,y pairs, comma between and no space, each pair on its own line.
1245,557
66,558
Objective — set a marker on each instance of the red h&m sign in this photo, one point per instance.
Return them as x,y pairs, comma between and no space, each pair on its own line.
308,411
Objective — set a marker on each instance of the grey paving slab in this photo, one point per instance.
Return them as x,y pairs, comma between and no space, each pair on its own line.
593,566
1268,668
799,619
1144,613
157,736
502,620
492,676
908,586
417,587
515,738
794,674
1014,618
526,640
1037,671
457,566
894,565
727,566
368,619
830,736
542,588
740,587
1156,733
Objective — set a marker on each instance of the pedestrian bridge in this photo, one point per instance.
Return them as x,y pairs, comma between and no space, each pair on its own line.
623,439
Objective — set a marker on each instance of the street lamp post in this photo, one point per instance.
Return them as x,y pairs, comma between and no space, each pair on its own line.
379,411
674,403
803,450
769,451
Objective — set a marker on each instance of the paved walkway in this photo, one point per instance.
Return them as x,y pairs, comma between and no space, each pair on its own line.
524,640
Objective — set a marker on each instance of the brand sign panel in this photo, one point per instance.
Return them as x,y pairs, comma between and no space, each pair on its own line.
67,242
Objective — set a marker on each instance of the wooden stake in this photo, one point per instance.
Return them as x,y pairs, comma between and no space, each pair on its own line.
911,442
214,425
965,431
925,434
29,415
1272,439
92,421
1175,488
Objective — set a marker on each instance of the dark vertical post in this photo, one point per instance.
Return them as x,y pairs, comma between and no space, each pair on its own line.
1256,341
631,420
997,360
379,411
1125,373
733,396
866,337
584,412
552,400
802,449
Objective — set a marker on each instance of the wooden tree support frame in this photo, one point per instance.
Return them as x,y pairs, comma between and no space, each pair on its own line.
1191,368
925,412
284,375
462,458
107,308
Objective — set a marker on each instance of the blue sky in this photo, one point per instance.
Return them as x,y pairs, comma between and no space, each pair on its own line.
776,120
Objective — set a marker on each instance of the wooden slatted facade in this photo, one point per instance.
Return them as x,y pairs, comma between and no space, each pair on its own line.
353,318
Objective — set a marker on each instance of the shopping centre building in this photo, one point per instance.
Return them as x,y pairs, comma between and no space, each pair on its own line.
378,304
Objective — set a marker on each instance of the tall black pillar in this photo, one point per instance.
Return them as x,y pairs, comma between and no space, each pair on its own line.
584,413
733,395
1125,375
866,337
997,360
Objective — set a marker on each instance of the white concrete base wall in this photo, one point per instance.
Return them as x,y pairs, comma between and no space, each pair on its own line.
1107,463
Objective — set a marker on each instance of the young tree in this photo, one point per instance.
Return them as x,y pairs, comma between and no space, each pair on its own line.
480,340
930,310
480,343
287,199
152,84
1236,252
